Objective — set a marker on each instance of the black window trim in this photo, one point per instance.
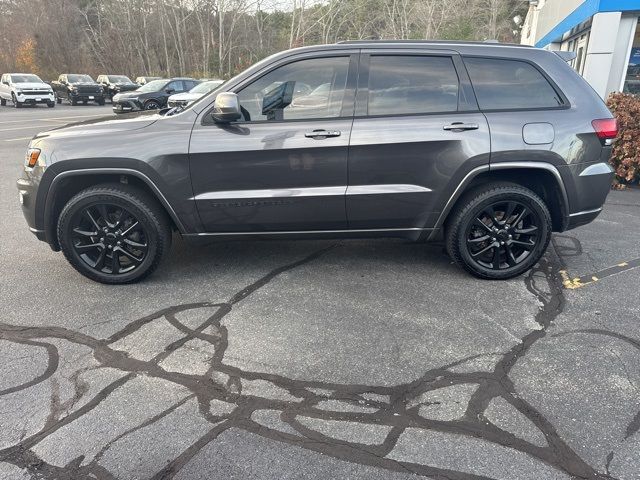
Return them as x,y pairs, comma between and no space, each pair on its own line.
566,104
348,102
467,102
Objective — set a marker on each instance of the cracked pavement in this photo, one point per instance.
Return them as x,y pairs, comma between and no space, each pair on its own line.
317,359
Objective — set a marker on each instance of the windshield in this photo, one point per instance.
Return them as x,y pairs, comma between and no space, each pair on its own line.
152,86
25,78
119,79
79,79
206,87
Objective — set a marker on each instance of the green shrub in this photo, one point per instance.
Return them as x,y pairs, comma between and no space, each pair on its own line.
625,158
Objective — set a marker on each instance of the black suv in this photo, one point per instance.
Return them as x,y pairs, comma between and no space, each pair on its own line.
490,147
114,84
152,95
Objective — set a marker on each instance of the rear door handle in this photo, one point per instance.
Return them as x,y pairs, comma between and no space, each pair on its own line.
459,126
323,134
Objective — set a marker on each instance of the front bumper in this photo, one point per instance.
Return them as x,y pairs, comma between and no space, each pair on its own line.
86,96
35,98
126,105
177,103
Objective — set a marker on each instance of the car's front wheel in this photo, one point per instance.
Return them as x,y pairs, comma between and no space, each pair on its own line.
15,101
151,105
498,231
114,233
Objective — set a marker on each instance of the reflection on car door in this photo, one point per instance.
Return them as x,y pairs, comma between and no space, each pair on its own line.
282,172
416,133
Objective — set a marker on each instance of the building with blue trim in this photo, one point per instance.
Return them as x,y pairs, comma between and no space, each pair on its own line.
604,35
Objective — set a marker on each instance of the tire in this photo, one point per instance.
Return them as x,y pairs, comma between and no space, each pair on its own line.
498,231
151,105
3,102
141,232
101,101
16,103
72,101
51,104
58,100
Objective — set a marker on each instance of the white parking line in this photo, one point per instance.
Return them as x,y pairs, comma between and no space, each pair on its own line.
54,118
21,128
16,139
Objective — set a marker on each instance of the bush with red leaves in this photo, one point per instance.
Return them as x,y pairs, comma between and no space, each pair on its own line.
625,158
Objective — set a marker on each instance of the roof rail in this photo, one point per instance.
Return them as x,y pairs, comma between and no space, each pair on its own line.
435,42
566,56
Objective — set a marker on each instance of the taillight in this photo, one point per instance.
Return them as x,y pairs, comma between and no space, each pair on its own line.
606,128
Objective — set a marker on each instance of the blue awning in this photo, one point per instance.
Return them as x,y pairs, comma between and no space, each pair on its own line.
585,11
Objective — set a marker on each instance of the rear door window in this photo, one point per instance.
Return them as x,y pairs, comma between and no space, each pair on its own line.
502,84
412,84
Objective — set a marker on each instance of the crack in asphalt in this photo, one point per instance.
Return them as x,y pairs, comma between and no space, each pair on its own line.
301,398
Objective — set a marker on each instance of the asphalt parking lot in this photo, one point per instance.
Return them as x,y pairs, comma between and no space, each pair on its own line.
318,359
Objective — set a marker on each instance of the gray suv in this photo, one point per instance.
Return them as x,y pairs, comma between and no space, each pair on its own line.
488,147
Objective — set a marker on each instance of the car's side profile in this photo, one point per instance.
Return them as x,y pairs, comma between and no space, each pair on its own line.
489,147
152,95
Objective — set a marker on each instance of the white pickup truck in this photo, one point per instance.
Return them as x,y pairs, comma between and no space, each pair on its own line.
25,89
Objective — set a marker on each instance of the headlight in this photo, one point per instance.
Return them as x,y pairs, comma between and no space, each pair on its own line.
18,90
31,158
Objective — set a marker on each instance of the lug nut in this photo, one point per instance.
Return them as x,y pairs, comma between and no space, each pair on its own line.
102,239
110,247
510,237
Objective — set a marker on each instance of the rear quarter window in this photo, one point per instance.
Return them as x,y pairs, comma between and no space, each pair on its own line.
400,85
502,84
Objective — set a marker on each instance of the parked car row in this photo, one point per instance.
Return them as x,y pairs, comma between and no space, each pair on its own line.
146,93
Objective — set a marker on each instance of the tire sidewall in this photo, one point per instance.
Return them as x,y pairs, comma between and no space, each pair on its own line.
66,223
531,202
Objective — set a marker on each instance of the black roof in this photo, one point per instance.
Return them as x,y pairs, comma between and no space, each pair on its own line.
430,42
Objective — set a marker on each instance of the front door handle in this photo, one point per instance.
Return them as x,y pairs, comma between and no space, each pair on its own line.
323,134
459,126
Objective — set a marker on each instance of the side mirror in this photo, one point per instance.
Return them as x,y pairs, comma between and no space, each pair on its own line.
277,99
6,83
226,108
169,90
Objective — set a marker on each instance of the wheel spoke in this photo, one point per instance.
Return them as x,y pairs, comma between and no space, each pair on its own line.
131,227
511,206
136,245
478,222
93,220
115,262
484,238
492,215
484,250
102,208
90,246
129,255
100,260
526,245
511,259
496,259
85,233
520,216
526,231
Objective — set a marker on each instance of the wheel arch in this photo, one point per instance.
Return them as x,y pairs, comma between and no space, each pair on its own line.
67,184
542,178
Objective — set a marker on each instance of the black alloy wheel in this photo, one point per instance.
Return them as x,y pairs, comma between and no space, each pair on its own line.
498,231
109,238
151,105
503,235
114,233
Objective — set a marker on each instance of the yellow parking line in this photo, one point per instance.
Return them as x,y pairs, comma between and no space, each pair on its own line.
591,278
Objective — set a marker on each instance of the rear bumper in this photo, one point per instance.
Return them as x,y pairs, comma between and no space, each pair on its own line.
588,189
125,106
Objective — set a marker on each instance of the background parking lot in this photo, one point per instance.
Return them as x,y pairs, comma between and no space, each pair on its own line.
317,359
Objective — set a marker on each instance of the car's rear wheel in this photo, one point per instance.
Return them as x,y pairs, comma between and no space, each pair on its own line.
498,231
114,233
3,102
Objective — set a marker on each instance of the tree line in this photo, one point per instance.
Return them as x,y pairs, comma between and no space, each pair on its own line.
218,38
